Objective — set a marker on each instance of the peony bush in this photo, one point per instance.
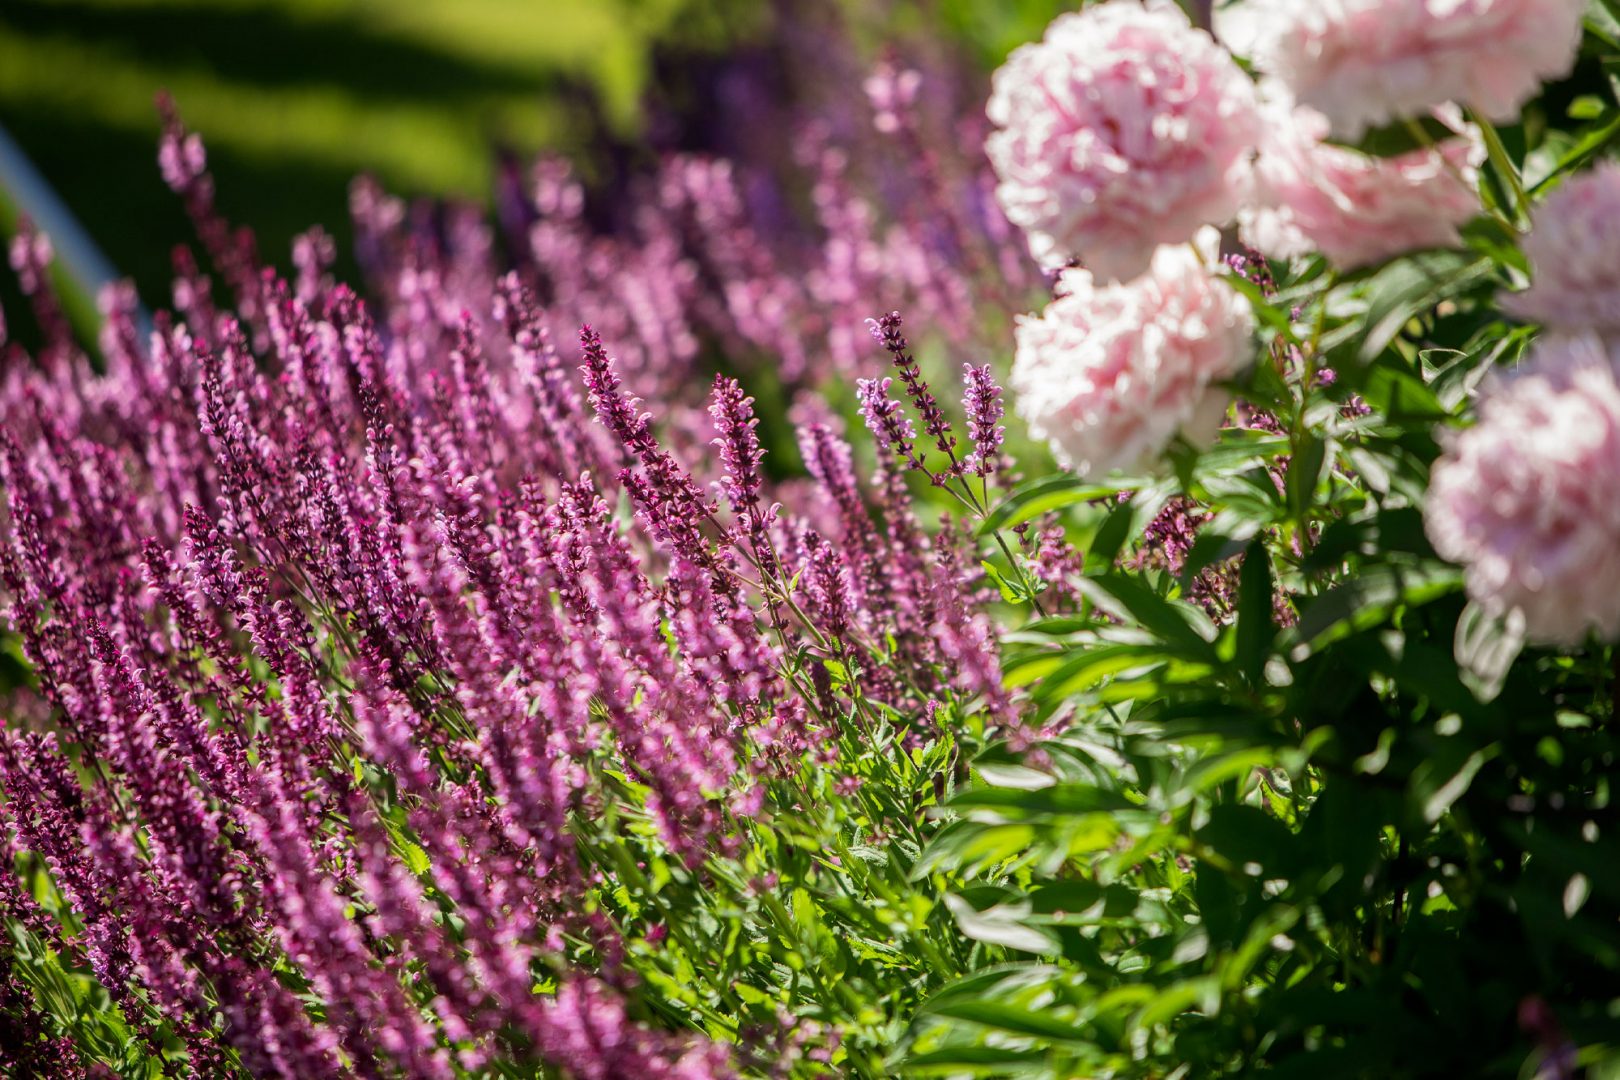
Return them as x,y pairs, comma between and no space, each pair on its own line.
1111,570
1123,128
1521,498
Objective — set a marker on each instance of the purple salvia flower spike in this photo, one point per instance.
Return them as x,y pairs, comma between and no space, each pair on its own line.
981,399
886,331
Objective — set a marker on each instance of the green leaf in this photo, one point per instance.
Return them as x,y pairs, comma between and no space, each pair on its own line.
1086,667
1054,799
1222,537
1217,769
956,1061
1244,834
1011,591
1445,774
996,980
1015,776
1256,629
1412,284
1400,395
1239,450
1003,925
1603,22
1490,236
1366,601
1486,647
1267,312
1042,1023
1021,670
967,847
1202,994
1068,899
1123,522
1567,854
1038,497
416,860
1586,107
1344,825
1304,472
1057,626
1503,165
1179,625
1593,142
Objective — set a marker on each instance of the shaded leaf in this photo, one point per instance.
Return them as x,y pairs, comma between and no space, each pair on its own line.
1366,601
1256,627
1486,647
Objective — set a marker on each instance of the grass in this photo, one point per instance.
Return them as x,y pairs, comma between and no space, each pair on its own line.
295,97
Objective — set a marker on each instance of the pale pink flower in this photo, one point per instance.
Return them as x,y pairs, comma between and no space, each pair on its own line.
1574,253
1356,209
1365,63
1122,129
1528,499
1111,373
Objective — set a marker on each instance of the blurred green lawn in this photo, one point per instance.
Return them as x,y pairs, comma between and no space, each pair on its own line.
294,97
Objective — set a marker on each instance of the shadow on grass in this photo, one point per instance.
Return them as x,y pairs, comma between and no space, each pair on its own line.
261,47
109,176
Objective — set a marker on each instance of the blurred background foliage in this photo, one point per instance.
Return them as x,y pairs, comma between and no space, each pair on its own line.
296,97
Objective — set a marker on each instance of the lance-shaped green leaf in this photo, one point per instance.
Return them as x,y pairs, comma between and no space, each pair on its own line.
1182,626
1031,500
1366,601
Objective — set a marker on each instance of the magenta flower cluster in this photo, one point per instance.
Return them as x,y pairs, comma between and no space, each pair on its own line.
333,614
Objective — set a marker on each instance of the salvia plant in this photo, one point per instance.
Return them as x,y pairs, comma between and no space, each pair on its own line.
619,643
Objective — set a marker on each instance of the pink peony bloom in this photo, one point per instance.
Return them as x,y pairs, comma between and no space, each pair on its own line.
1574,252
1364,63
1111,373
1123,129
1358,210
1528,500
